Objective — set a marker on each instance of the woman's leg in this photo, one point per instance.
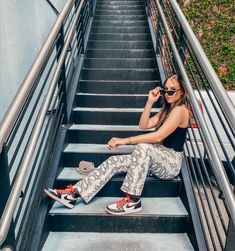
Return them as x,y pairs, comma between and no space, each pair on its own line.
165,163
93,182
137,172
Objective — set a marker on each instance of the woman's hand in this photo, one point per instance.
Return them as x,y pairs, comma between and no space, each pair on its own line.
116,142
154,95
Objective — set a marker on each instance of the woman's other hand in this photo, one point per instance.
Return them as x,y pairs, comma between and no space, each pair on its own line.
116,142
154,94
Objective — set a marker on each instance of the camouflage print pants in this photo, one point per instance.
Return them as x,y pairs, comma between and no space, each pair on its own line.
163,162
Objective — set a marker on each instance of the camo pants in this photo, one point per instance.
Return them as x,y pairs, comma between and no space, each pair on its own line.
163,162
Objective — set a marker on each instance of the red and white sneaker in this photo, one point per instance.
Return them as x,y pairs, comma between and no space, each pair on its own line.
124,206
68,197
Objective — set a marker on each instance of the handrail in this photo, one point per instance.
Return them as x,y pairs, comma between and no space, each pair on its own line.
11,204
219,170
18,102
225,101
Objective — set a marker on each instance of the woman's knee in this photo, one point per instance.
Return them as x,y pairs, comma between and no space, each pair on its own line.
142,146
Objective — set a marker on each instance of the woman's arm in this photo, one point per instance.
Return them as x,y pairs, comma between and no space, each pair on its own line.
145,121
176,118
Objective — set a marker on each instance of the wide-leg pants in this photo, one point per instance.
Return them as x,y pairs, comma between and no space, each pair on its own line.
163,162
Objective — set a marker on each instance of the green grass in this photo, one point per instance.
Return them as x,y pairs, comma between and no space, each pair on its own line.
214,25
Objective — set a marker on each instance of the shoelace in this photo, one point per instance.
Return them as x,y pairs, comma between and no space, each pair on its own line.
68,189
124,200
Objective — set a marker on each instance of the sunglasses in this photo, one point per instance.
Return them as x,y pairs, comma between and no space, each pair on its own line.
170,92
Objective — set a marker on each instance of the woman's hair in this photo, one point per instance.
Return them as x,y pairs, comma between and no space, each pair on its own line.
166,107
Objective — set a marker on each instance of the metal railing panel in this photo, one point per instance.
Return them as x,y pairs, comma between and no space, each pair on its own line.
213,138
32,122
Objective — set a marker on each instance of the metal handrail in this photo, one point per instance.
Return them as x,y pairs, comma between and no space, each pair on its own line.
216,85
18,102
21,96
219,170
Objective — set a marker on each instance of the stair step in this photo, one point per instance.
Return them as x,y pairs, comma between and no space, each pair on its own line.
154,187
100,134
159,215
120,63
119,74
104,44
120,53
116,242
122,29
120,12
118,2
121,36
108,116
120,23
112,100
125,87
120,17
96,153
120,7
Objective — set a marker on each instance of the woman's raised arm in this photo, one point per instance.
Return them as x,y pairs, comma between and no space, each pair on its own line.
145,121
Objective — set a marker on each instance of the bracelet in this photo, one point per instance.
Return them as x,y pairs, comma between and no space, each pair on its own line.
129,140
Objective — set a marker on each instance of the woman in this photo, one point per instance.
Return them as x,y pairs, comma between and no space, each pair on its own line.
160,151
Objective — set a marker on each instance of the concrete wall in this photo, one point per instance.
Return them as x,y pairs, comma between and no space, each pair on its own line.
24,26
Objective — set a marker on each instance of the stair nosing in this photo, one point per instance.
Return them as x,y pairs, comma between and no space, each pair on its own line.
92,109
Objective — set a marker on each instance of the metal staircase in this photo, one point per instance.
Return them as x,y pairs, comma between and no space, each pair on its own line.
95,71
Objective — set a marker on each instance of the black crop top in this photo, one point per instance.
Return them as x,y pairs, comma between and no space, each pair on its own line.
176,139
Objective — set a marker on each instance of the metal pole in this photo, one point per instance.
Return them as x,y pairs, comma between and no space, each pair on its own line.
62,79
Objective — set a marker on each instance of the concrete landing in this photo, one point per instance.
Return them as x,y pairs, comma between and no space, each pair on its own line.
68,241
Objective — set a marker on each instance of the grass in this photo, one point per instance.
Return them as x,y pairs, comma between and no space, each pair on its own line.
214,25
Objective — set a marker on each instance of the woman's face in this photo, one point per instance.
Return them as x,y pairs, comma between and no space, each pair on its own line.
172,84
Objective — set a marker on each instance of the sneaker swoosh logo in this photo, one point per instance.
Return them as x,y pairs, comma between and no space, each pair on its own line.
127,206
70,199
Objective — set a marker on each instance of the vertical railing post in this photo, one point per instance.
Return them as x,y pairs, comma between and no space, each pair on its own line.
181,43
82,28
62,79
230,241
4,194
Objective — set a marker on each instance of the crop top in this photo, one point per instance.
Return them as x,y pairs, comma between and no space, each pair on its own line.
176,139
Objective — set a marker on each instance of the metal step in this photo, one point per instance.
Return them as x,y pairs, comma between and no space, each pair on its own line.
120,12
121,36
120,63
119,74
112,100
154,187
120,53
159,215
110,86
100,134
96,153
120,7
120,22
116,242
122,29
103,44
120,17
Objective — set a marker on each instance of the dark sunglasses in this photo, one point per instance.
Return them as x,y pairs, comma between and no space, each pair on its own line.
170,92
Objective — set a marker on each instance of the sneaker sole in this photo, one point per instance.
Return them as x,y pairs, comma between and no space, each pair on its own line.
124,213
68,205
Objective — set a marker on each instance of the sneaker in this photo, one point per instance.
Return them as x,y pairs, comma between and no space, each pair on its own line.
124,206
67,197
